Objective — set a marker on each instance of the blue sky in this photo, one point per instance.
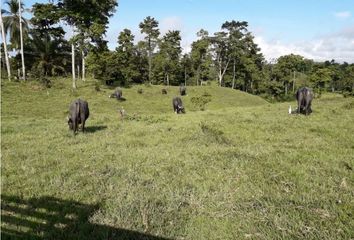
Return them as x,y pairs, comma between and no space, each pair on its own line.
318,29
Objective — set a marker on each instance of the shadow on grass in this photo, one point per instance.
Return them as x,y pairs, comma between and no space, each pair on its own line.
92,129
52,218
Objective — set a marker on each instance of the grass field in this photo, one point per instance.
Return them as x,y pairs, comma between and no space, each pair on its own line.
241,169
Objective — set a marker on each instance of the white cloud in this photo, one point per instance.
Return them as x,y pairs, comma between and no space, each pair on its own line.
342,15
170,23
176,23
331,46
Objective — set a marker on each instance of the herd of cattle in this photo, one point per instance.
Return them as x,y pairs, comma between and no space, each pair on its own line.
79,110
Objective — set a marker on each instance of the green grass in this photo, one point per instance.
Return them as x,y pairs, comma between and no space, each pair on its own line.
241,169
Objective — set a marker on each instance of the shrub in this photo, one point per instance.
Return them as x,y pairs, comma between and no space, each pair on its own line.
97,86
200,101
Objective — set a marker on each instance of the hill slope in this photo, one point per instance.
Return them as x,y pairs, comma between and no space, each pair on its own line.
241,169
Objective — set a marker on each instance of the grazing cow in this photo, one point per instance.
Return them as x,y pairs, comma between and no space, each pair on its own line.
118,94
304,98
164,91
182,90
177,105
78,114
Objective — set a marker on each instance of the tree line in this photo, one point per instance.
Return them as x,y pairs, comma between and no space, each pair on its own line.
229,57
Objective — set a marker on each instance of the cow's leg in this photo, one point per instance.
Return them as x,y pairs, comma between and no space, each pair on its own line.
82,119
308,107
299,100
75,125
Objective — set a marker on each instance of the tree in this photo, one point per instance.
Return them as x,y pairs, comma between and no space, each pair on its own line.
16,26
187,66
5,45
252,62
200,57
320,78
21,40
285,68
150,27
45,20
141,60
222,57
90,19
170,49
237,31
126,55
47,55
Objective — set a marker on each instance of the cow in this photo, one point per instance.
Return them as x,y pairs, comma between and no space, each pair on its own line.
78,114
164,91
182,90
304,98
118,94
177,105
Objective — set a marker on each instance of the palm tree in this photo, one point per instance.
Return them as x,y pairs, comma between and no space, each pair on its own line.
5,45
48,55
21,38
14,23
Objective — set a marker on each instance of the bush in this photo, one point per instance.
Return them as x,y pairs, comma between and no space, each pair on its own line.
200,101
45,82
97,86
348,94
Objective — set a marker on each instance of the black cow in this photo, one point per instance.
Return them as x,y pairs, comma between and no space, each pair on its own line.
182,90
164,91
304,98
177,105
118,94
78,114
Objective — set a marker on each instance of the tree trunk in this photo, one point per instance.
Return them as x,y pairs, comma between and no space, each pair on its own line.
78,71
222,71
286,88
220,75
83,66
21,40
294,83
149,58
185,76
234,75
73,64
5,46
168,79
198,74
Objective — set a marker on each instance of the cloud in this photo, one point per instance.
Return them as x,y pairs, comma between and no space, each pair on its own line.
171,23
338,46
342,15
176,23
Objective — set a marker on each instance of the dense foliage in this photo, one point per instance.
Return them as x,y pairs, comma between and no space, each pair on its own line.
230,57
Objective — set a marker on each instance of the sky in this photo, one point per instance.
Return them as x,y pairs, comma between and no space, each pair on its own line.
316,29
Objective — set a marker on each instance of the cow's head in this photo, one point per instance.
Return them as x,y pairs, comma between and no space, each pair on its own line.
180,108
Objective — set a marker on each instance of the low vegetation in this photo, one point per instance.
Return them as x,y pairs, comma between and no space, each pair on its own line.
241,168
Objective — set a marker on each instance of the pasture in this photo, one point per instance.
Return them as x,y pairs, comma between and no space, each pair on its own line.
241,169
